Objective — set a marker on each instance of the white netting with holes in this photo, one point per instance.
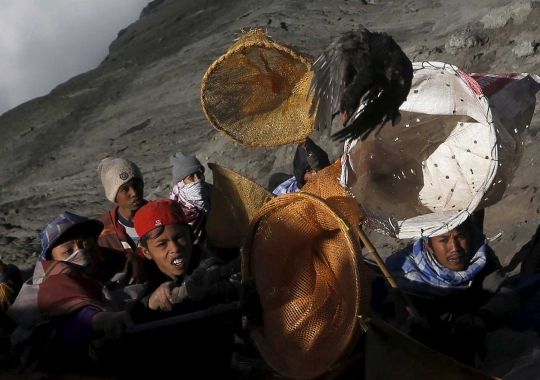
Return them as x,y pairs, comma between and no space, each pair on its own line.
456,148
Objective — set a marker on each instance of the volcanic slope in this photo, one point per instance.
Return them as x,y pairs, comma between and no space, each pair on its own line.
142,103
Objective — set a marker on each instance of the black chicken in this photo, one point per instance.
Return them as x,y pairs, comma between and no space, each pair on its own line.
360,66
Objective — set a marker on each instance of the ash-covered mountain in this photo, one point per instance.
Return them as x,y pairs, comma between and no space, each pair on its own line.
143,103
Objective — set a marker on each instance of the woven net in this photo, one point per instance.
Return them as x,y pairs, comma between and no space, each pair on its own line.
235,200
7,291
307,265
326,183
256,93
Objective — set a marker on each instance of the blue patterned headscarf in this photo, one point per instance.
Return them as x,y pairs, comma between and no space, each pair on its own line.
418,273
62,224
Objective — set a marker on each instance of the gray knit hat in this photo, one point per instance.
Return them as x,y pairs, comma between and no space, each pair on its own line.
114,172
183,166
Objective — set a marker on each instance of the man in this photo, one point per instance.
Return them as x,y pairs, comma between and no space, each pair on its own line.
123,184
309,158
191,191
452,281
190,280
65,302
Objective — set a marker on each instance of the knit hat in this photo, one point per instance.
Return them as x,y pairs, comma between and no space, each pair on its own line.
114,173
184,165
157,214
63,223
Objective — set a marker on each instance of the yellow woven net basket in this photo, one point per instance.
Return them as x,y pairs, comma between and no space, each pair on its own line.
256,93
235,201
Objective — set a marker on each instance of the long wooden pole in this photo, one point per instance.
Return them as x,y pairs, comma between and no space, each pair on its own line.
206,313
371,249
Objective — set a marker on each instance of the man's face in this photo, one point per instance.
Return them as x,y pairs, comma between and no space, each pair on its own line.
453,249
193,177
171,250
130,195
70,244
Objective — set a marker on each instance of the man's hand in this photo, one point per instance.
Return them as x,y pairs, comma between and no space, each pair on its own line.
135,265
469,330
251,304
113,324
197,284
469,333
162,298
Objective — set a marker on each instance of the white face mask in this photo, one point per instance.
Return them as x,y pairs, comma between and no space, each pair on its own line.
196,193
84,257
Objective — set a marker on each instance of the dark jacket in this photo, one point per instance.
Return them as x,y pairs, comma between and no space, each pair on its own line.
302,163
203,348
488,298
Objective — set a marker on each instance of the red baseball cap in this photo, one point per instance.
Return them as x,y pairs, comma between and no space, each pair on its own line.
156,214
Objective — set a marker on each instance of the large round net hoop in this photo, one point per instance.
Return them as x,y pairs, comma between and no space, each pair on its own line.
256,93
306,262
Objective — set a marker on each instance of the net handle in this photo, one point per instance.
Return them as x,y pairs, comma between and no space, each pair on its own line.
373,252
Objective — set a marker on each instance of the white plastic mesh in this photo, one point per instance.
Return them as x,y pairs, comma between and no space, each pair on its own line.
456,149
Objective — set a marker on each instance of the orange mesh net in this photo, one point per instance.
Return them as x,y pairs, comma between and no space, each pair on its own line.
7,291
256,93
307,265
235,201
326,185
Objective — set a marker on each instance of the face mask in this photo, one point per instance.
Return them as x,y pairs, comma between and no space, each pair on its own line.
196,193
84,257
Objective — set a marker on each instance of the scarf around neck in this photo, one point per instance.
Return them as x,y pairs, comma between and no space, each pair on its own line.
420,274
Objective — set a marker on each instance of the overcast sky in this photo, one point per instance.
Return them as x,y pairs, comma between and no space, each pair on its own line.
45,42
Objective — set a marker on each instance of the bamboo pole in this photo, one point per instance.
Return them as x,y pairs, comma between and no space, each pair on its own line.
371,249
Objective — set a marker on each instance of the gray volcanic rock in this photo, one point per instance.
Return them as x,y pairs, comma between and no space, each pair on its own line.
143,103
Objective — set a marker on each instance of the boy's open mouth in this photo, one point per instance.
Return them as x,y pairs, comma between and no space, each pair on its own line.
178,262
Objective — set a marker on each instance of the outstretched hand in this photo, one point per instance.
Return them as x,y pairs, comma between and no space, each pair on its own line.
113,324
162,298
420,330
197,285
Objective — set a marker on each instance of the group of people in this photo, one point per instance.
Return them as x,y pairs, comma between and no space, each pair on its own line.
144,262
139,263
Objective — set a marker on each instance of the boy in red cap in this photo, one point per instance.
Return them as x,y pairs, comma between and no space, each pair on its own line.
166,239
189,280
